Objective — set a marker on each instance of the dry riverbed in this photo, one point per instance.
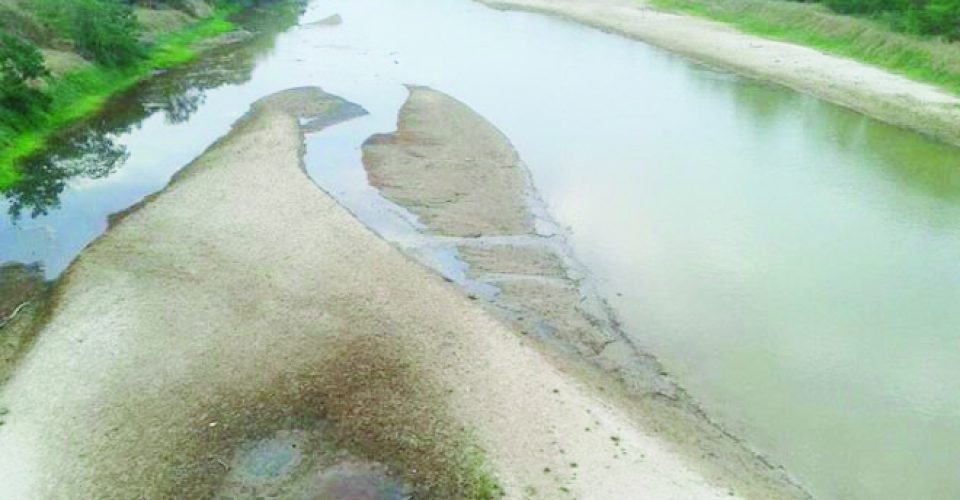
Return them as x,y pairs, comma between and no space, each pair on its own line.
872,91
241,334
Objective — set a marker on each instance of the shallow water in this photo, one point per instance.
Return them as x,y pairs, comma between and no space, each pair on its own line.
796,265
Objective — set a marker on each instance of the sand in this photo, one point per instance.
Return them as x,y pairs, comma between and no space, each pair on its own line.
454,170
872,91
242,333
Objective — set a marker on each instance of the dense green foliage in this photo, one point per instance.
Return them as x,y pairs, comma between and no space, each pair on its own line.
22,103
928,17
103,30
21,66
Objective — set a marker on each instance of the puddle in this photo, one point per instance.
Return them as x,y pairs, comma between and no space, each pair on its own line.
296,464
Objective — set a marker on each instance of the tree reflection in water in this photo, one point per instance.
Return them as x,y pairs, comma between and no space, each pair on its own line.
92,156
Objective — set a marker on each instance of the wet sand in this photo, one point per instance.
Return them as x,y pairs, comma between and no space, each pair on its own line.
241,334
466,183
872,91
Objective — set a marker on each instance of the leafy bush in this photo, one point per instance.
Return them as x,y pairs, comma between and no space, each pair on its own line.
925,17
937,17
103,30
21,64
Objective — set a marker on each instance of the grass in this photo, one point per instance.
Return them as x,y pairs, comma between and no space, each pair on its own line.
921,58
83,93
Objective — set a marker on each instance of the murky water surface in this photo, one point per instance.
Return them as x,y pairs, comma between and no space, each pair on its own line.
796,265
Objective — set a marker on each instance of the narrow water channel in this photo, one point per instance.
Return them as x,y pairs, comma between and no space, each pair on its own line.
794,264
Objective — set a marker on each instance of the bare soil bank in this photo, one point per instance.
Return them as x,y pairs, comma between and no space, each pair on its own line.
241,334
872,91
465,181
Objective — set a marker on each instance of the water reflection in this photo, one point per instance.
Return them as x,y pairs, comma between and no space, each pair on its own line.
908,160
179,106
92,155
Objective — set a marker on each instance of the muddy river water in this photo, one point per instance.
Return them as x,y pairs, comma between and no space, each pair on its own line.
795,265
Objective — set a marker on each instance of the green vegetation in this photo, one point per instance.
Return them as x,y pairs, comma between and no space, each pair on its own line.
928,17
20,64
871,40
105,31
36,106
939,18
88,150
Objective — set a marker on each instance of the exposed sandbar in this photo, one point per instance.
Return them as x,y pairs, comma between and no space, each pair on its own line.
241,321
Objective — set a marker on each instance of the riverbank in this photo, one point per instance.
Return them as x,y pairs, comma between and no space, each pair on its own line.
870,40
867,89
314,361
81,90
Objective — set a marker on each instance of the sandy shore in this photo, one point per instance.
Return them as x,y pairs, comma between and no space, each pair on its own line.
872,91
241,334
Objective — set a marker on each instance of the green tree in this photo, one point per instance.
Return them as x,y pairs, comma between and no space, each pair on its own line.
935,17
21,65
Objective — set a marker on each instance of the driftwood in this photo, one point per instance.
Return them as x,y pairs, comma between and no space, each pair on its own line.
14,314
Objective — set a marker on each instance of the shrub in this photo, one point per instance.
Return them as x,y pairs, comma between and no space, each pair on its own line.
103,30
21,64
924,17
938,17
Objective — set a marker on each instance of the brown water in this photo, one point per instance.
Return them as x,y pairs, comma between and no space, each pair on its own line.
796,265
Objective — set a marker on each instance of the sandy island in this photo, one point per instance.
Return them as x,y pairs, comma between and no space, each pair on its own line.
872,91
240,334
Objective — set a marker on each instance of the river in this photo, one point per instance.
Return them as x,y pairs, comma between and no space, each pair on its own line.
795,265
